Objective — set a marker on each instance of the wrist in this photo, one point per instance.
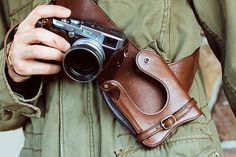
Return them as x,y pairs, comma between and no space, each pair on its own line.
25,87
16,77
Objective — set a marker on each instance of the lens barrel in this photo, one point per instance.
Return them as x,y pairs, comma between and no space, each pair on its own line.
84,60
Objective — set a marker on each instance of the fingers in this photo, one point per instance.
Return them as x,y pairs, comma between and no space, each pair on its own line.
25,60
32,44
40,35
30,68
43,11
40,52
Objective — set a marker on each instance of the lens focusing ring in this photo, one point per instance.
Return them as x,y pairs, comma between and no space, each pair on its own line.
92,48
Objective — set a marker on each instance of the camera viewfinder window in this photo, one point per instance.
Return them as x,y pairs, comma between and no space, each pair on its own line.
110,42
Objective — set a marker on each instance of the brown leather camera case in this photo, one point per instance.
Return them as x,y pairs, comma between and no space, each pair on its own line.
149,97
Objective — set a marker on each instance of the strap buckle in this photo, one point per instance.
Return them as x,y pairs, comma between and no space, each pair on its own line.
168,122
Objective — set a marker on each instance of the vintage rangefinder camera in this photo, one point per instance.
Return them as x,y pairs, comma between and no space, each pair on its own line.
92,46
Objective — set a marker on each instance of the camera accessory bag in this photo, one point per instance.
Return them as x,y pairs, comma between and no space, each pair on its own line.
149,97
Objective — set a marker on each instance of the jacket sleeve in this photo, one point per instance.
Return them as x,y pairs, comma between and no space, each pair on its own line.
14,107
218,20
17,101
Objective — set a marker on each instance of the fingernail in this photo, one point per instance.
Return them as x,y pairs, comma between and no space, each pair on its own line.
67,46
67,12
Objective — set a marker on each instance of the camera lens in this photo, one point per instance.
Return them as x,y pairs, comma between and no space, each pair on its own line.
85,63
84,60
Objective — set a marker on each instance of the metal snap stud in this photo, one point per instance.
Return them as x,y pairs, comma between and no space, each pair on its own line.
106,86
146,60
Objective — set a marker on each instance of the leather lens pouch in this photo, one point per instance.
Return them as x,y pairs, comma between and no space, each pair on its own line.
149,99
148,96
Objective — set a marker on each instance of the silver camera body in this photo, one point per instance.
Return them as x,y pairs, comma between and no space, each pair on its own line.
92,46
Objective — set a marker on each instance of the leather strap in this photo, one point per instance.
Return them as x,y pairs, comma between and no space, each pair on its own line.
167,122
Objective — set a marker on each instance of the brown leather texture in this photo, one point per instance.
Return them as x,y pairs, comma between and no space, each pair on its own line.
139,87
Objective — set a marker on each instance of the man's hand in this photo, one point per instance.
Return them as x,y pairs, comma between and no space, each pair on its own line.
31,44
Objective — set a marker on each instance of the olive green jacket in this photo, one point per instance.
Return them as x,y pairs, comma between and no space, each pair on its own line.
69,119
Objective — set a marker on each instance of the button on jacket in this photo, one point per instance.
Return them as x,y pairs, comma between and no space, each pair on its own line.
69,119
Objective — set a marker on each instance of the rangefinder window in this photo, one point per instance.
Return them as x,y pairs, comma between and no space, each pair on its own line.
110,42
